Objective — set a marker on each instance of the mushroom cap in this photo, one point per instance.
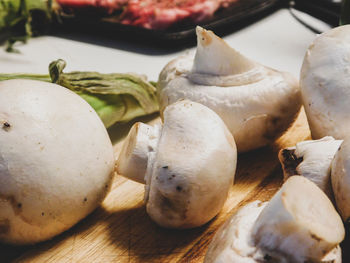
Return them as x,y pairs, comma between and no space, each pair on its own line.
299,223
324,83
189,175
341,179
256,103
311,159
56,160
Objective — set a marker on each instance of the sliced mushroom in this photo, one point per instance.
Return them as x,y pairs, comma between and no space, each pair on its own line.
188,164
311,159
256,103
298,225
324,82
341,180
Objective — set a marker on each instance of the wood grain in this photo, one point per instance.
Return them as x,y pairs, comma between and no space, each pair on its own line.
121,231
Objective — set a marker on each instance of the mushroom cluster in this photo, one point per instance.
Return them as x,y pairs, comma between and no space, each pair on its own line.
300,223
188,164
57,163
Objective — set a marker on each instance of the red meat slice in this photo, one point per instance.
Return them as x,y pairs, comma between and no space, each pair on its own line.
157,14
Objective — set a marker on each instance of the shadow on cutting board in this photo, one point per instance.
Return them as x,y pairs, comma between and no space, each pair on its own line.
144,241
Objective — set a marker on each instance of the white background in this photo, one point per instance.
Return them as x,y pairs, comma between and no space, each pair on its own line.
278,41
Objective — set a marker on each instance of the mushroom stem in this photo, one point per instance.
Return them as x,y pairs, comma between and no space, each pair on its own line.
299,223
141,140
214,56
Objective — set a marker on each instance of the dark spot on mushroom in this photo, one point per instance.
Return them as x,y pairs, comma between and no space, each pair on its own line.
166,206
275,125
170,178
85,199
165,167
171,208
173,175
106,186
267,258
13,202
6,126
42,214
315,237
178,188
275,120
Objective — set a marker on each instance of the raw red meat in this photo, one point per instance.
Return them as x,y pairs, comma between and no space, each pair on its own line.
152,14
157,14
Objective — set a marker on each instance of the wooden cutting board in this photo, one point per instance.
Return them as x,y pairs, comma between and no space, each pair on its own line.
121,231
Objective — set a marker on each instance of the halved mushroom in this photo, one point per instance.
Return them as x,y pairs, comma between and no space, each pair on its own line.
311,159
256,103
324,82
188,164
298,225
341,180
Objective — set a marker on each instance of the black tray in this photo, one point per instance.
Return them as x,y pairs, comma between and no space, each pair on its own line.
325,10
223,18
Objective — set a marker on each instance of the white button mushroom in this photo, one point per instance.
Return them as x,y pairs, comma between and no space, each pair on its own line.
256,103
56,160
311,159
188,164
298,225
324,82
341,180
